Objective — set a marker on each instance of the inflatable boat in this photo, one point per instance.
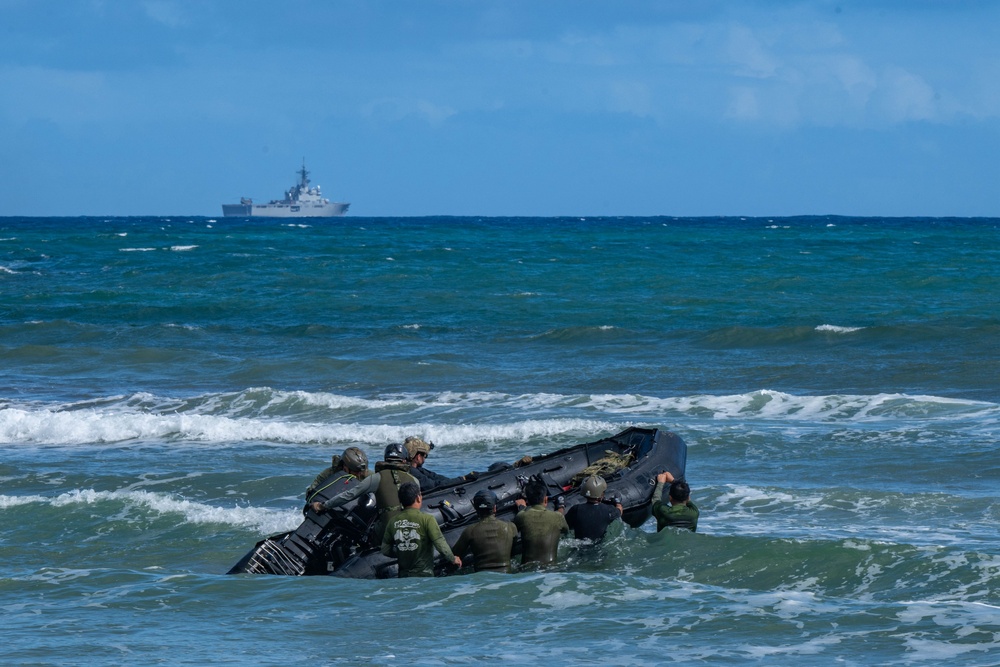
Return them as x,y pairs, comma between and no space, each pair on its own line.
340,542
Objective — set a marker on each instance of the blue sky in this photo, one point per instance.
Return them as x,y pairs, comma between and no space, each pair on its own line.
547,107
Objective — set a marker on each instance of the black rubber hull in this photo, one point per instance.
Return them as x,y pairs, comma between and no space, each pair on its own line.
340,543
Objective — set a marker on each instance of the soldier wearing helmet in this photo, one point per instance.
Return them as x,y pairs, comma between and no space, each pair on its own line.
390,474
590,520
344,471
490,540
418,450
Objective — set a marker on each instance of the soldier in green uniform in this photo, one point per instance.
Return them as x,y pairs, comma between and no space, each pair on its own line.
490,540
412,537
389,475
539,526
346,468
680,512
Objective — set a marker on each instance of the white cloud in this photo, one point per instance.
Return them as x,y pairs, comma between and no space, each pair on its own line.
53,94
904,96
748,54
167,13
397,108
743,104
632,97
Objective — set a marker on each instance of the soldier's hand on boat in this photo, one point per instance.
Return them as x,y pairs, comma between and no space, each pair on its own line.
458,561
471,477
523,461
520,504
317,507
664,477
559,503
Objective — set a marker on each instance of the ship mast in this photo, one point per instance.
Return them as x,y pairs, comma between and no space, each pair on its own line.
303,175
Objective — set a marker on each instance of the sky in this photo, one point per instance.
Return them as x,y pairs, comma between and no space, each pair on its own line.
513,108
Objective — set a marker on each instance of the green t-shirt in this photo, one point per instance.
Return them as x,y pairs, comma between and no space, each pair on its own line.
540,530
412,536
490,541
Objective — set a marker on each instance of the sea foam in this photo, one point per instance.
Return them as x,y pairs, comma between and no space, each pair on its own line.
447,418
259,519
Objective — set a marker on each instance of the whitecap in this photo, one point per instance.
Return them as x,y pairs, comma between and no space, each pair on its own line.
260,519
837,329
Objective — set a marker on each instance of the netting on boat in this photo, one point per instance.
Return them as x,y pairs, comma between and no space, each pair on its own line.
605,466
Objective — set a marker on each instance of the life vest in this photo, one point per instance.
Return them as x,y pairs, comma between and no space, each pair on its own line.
344,477
391,477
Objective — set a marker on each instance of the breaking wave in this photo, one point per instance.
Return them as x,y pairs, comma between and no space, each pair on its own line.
258,519
262,414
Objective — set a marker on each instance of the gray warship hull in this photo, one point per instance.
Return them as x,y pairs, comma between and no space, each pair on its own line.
330,210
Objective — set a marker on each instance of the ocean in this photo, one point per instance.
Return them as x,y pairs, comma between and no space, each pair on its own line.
171,385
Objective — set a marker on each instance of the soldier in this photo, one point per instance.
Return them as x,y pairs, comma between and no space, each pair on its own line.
344,472
539,526
590,520
389,475
418,451
490,540
412,537
681,512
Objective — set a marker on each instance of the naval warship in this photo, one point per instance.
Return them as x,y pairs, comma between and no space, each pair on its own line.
301,201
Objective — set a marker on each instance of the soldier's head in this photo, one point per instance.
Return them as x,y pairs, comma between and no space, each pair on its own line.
485,502
354,461
395,452
593,488
417,450
409,494
535,492
679,492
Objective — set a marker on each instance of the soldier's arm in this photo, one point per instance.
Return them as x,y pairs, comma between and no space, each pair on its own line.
441,544
462,545
367,485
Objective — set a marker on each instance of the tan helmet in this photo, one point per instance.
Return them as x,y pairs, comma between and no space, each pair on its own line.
594,487
354,459
415,445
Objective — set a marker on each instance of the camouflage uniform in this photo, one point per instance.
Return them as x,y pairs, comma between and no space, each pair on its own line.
682,515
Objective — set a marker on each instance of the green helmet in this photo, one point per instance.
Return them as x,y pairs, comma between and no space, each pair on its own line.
354,459
594,487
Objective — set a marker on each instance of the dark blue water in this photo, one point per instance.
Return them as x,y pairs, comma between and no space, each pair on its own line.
169,387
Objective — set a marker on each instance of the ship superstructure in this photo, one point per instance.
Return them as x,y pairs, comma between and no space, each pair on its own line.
301,201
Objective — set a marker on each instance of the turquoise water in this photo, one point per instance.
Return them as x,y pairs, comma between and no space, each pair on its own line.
171,385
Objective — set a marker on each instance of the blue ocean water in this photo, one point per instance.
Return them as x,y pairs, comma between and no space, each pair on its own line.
170,386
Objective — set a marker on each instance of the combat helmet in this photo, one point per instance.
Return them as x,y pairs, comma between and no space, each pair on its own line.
594,487
354,459
395,452
484,501
415,445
